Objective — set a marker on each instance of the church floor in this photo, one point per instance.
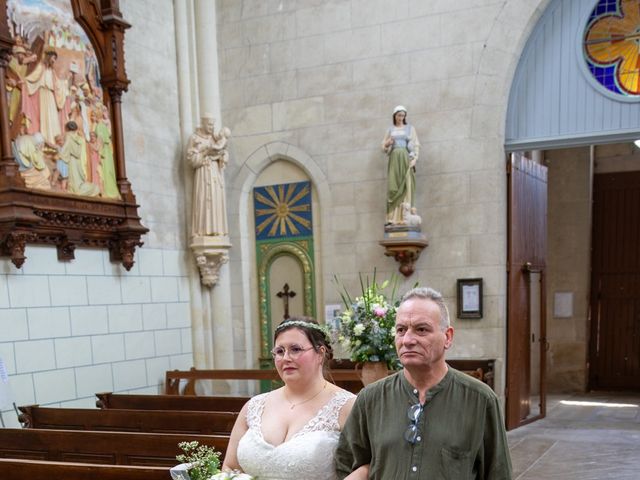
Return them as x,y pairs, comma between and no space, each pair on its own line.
589,436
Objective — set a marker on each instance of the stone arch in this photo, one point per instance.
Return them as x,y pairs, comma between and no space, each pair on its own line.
269,256
239,198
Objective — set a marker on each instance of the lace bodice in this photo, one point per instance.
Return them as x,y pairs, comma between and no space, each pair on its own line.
306,455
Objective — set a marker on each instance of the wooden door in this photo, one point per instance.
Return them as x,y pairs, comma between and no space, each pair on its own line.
614,350
526,262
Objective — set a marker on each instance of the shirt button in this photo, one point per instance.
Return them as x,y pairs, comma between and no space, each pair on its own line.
419,438
414,469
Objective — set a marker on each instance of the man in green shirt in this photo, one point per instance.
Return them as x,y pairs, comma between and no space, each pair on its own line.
428,421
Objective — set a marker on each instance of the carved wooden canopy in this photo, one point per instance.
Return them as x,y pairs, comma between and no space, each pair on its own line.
55,216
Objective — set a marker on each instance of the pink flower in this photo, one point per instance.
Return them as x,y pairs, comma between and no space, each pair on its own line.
379,311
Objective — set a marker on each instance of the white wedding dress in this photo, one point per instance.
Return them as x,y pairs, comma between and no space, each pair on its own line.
306,455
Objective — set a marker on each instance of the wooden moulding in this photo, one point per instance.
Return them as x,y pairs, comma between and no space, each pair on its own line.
68,221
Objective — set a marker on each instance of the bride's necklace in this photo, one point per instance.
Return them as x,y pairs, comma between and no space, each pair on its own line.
294,405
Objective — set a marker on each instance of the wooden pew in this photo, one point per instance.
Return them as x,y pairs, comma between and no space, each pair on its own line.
343,372
108,400
345,378
109,448
15,469
151,421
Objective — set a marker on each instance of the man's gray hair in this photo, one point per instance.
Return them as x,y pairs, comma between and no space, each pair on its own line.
427,293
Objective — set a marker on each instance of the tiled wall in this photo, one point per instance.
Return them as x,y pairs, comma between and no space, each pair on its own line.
70,329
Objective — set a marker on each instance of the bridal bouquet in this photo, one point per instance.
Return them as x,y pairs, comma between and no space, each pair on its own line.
201,462
367,325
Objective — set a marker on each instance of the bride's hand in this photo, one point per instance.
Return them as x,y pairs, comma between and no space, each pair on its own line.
361,473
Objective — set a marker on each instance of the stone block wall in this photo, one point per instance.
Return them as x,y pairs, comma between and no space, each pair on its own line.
69,330
324,76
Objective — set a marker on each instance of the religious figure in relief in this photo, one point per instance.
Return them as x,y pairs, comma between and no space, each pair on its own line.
207,154
402,147
52,78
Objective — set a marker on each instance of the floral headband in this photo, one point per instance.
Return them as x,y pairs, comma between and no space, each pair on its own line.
303,324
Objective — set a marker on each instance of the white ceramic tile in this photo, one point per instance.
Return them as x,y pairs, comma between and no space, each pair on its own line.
8,357
115,269
86,402
54,386
136,289
181,362
168,342
139,345
164,289
13,325
125,318
103,290
89,320
68,290
187,341
149,261
90,380
107,348
154,316
22,389
4,291
184,294
73,352
42,260
34,355
28,291
178,315
129,375
174,262
156,369
88,261
49,322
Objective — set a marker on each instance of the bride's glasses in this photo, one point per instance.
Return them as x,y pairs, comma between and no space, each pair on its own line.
294,352
412,434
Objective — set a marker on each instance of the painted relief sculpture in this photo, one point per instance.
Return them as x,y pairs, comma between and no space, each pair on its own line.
53,81
63,175
403,239
207,154
402,147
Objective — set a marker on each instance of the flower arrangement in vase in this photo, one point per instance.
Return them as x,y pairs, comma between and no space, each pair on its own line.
367,325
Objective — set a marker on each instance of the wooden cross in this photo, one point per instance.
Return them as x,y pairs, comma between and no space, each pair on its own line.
285,295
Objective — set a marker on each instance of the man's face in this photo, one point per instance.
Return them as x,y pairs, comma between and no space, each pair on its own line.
420,341
207,125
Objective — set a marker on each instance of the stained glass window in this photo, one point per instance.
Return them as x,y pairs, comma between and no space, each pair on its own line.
612,46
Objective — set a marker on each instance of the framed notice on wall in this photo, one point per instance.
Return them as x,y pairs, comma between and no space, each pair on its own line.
469,298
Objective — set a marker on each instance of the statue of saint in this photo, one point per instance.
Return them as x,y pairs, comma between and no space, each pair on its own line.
401,145
207,154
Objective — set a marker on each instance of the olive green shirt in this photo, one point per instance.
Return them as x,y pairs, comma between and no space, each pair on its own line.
461,432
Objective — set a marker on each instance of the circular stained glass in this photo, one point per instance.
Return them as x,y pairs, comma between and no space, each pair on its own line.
612,46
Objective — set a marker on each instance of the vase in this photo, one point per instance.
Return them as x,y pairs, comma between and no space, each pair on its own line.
369,372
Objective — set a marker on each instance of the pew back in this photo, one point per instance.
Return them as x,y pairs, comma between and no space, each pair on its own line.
110,448
108,400
158,421
15,469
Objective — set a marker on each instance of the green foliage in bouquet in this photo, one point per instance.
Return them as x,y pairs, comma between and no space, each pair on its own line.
204,460
367,325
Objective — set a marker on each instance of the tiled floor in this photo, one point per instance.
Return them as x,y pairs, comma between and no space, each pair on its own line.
587,437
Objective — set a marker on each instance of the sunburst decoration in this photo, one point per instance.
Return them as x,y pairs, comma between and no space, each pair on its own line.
283,210
612,45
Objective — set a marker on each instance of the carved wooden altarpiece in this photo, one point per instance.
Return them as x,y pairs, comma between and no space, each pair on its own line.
54,215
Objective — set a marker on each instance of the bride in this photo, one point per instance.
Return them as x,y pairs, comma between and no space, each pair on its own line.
292,432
